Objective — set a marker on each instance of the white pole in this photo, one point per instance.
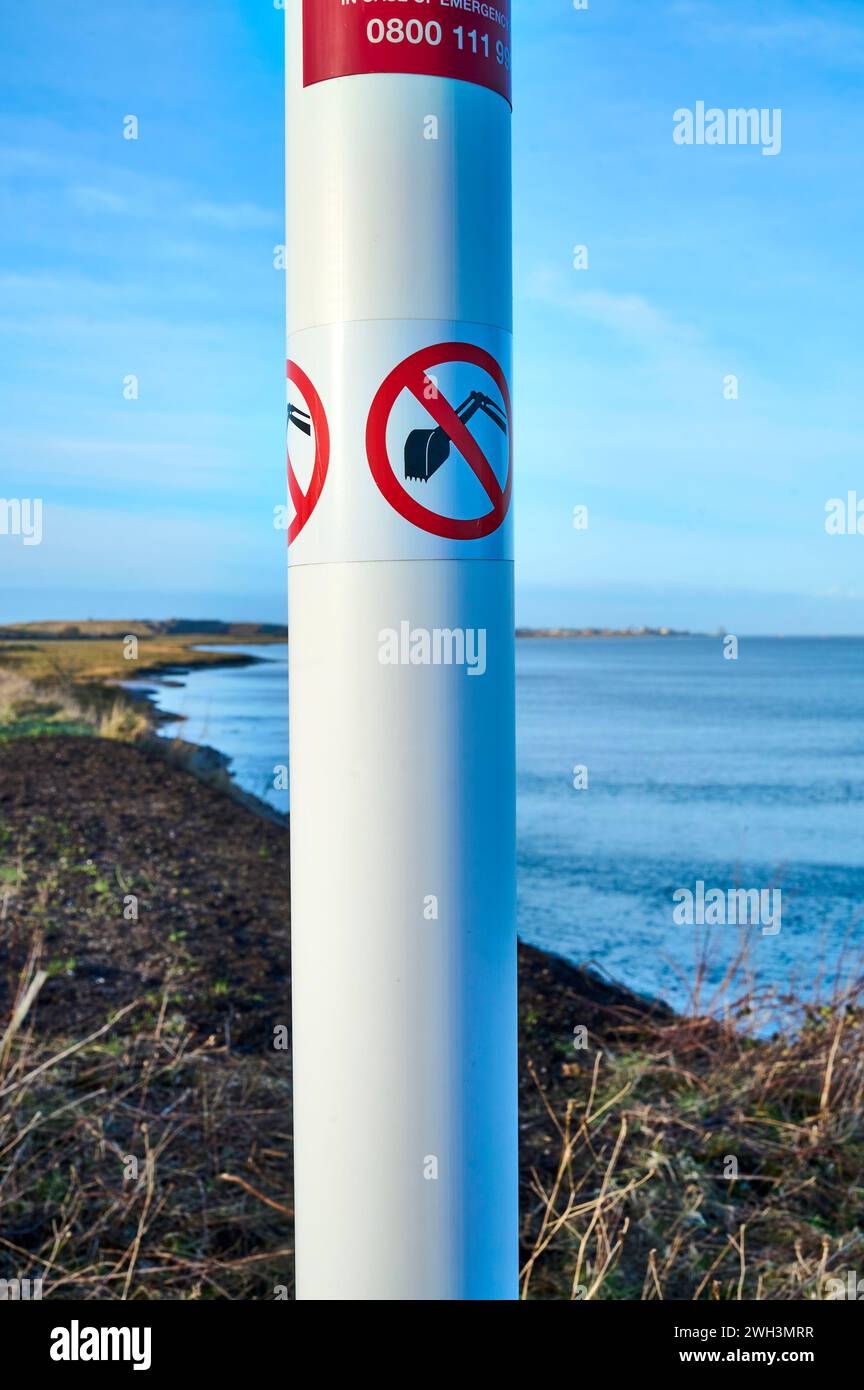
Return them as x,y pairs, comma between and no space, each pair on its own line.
401,640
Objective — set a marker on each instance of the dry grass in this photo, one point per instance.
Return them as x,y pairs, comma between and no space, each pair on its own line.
28,707
133,1163
628,1187
124,722
92,652
31,707
644,1201
57,678
639,1204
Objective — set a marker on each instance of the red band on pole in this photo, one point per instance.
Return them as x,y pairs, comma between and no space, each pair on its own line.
468,40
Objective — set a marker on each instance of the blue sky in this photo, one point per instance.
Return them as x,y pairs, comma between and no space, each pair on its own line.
155,257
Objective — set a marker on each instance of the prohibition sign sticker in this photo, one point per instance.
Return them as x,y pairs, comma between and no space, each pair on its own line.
411,376
312,420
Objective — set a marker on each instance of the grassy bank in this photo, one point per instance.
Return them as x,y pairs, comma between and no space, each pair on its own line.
145,1125
92,652
60,678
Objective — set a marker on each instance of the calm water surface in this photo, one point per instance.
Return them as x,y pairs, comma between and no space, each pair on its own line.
746,773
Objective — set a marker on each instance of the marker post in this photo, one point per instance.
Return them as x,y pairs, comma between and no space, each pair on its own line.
400,431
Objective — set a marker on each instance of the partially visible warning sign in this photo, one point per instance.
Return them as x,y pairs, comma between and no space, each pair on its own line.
464,39
309,439
442,439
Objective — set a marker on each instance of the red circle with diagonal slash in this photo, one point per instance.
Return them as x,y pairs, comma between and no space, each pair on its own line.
411,376
306,502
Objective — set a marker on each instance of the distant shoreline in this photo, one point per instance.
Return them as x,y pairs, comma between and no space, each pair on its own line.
575,632
189,633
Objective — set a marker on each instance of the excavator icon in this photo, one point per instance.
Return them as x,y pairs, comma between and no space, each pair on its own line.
301,418
427,450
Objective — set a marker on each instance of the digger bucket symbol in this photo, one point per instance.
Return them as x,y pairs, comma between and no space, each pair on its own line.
301,418
427,450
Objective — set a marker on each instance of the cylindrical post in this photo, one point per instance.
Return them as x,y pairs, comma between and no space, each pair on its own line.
400,443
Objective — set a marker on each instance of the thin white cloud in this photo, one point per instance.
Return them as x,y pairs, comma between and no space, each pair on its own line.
234,216
144,199
626,313
90,199
16,159
174,464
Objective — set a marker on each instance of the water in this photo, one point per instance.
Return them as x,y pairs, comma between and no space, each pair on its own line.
240,710
746,773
